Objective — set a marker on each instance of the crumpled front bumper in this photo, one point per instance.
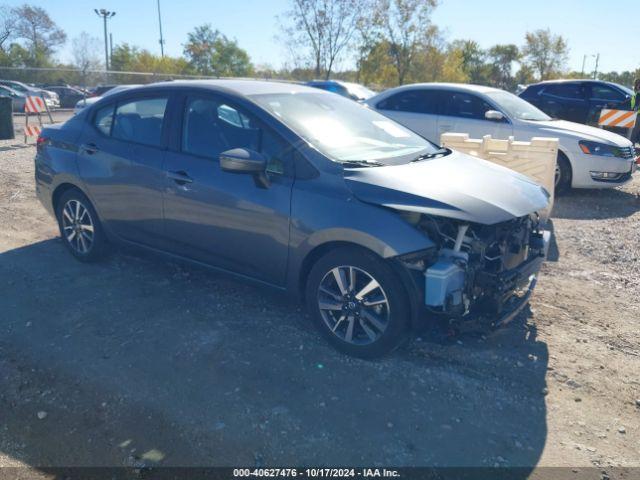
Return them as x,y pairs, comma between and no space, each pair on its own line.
512,290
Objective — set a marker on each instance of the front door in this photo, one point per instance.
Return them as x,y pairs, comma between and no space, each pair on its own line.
120,161
227,219
416,109
464,112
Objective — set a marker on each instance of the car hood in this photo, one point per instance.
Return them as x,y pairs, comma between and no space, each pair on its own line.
562,128
456,186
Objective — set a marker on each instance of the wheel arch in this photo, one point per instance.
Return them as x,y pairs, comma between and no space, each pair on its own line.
60,190
567,159
411,289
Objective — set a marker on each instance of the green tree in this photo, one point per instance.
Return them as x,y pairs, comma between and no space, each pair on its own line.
211,53
501,59
473,61
405,26
545,53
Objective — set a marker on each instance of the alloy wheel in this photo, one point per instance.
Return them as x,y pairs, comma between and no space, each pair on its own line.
77,226
353,305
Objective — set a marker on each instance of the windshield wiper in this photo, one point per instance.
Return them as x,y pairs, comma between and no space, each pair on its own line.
362,163
426,156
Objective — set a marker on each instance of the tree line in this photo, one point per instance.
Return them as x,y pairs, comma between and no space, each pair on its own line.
380,43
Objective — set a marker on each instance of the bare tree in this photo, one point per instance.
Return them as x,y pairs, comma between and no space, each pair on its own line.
86,52
325,28
545,53
34,25
7,25
406,26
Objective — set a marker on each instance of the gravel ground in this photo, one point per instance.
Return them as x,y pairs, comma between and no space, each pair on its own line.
136,361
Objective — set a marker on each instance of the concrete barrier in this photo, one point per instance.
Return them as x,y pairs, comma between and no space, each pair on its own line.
535,159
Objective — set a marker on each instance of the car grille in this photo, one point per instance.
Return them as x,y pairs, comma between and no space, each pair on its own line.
626,152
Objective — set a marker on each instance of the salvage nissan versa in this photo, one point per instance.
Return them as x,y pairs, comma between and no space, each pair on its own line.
377,229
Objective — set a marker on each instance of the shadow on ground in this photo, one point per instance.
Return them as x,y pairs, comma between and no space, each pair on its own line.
134,361
596,204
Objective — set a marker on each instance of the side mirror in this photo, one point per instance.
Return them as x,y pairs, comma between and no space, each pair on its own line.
494,115
243,160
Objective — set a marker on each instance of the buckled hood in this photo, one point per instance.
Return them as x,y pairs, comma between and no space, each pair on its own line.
456,186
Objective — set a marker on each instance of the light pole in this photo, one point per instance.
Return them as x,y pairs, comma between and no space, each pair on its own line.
106,15
595,71
584,60
160,25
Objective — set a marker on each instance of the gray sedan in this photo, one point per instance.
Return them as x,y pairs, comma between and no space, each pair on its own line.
375,228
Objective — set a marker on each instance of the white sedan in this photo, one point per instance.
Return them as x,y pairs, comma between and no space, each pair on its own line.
588,157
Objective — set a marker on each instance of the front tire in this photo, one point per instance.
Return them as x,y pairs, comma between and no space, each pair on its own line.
80,227
357,303
563,175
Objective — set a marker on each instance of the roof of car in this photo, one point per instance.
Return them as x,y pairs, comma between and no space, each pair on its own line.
567,80
239,86
462,87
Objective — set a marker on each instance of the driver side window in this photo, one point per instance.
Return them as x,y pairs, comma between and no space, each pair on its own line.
212,126
464,105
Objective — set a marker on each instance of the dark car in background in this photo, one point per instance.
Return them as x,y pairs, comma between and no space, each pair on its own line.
354,91
69,96
577,101
376,228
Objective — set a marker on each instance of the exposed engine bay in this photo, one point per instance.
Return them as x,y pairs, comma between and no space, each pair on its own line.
477,270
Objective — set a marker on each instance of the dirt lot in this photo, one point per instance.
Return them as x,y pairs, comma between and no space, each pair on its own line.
136,361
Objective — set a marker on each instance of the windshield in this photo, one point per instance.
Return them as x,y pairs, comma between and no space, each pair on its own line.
515,107
361,92
344,130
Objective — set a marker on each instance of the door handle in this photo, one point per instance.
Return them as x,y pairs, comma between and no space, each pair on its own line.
446,127
180,177
89,148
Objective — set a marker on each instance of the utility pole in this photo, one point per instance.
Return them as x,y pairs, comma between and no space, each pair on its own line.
595,72
584,60
110,45
160,25
106,15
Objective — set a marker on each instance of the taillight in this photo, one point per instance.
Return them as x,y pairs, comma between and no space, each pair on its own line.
41,141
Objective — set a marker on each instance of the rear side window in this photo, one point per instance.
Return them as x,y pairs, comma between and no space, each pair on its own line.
573,91
104,119
140,121
414,101
464,105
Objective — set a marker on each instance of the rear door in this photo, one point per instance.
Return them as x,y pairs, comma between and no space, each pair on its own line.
120,160
463,112
221,218
566,100
417,109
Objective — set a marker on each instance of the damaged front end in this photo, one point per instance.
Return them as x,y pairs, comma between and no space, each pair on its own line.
478,272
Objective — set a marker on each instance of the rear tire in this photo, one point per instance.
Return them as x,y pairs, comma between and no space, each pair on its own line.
80,227
563,175
357,303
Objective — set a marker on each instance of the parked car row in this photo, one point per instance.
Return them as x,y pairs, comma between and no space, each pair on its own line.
51,98
588,157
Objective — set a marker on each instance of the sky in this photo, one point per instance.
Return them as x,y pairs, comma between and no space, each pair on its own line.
590,26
